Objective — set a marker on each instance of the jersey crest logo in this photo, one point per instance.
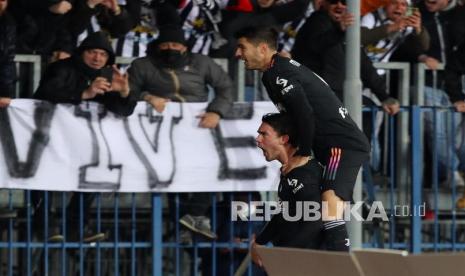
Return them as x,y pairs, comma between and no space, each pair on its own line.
343,111
282,82
285,90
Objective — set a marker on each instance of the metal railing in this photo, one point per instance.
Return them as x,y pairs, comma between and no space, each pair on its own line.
145,237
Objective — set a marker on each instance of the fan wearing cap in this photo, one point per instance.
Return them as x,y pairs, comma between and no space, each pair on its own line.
89,74
171,73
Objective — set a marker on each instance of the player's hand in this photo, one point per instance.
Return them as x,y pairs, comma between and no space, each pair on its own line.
209,120
391,106
459,106
156,102
253,252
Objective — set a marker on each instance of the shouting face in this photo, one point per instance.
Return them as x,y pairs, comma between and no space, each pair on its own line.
252,55
271,143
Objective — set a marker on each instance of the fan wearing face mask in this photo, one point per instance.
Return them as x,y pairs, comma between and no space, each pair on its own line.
170,72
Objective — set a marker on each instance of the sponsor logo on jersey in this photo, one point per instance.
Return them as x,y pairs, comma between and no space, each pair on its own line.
285,90
343,111
295,184
292,182
293,62
282,82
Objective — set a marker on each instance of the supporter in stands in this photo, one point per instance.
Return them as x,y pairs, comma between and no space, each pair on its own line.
290,29
200,19
388,28
94,15
40,31
300,182
454,71
385,31
171,73
134,43
41,28
86,75
320,46
253,13
7,54
438,22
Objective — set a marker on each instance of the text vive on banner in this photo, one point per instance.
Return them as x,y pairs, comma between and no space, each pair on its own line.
87,148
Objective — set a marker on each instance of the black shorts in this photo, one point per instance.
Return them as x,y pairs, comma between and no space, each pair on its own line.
341,167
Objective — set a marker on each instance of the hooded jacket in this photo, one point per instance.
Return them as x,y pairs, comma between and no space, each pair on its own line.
65,80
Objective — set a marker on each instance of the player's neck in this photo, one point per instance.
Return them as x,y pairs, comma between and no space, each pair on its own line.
290,162
269,60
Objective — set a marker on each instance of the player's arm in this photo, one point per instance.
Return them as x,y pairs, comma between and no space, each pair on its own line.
268,232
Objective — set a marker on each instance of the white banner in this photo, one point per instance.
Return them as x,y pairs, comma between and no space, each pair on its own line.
86,148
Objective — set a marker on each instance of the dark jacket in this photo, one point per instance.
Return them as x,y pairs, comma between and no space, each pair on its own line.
187,83
7,55
319,45
437,39
65,80
455,68
116,25
38,30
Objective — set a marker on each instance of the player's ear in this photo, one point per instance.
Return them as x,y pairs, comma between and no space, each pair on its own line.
285,139
262,47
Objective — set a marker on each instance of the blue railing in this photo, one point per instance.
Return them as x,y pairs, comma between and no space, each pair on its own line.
146,238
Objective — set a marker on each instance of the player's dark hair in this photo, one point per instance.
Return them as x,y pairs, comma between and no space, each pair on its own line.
283,125
261,34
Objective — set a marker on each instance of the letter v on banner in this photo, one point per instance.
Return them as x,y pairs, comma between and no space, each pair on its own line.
100,173
40,137
146,138
238,111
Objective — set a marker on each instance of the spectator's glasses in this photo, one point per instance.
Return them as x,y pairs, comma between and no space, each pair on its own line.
334,2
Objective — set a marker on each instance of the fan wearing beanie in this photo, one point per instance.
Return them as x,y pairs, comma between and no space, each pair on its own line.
89,74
